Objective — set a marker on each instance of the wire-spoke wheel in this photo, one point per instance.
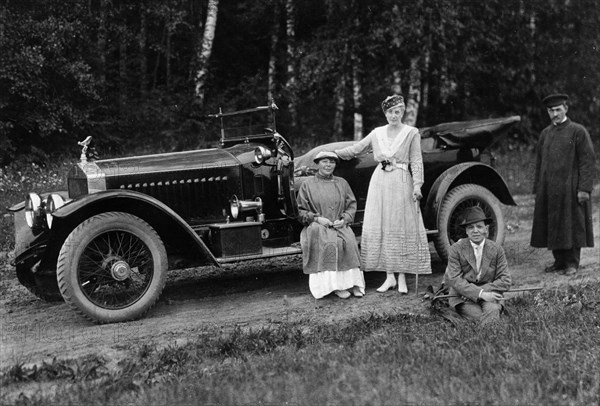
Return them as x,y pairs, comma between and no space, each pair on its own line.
112,267
451,214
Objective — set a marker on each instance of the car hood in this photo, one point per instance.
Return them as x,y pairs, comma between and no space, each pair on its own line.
172,162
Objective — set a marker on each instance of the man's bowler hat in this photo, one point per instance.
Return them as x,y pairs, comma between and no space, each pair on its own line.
554,100
474,215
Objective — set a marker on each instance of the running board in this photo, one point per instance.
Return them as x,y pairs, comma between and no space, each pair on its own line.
267,252
270,252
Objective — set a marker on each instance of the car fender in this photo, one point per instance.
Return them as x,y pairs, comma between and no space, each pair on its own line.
168,224
466,172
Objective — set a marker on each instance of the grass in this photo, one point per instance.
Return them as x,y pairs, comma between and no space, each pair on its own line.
545,352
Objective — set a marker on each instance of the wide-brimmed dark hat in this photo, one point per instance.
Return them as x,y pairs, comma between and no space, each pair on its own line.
554,100
328,155
474,215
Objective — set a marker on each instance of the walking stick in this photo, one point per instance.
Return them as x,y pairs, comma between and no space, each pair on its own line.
508,291
417,284
417,219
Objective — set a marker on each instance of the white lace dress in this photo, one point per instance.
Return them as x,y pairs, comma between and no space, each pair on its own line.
393,234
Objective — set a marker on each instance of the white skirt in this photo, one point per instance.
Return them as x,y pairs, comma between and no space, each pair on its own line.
323,283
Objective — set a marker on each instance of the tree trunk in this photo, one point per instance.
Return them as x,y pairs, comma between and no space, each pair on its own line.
291,64
414,93
273,55
168,53
425,78
397,83
142,38
531,47
101,44
340,107
3,19
204,51
122,60
157,61
122,69
357,96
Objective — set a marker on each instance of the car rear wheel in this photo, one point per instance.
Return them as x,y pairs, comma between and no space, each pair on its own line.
451,213
112,267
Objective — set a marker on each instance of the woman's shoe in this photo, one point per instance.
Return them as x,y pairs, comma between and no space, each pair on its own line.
342,294
390,282
402,288
357,292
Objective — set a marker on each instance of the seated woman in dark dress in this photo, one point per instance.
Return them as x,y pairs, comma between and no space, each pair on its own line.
330,253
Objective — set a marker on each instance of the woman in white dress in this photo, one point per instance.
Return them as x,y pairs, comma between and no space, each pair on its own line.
393,235
330,254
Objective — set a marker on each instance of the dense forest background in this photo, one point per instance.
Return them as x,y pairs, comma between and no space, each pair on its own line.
139,76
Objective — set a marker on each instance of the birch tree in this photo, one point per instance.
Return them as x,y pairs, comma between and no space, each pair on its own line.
291,63
357,94
101,44
413,96
122,38
204,51
340,106
273,53
142,39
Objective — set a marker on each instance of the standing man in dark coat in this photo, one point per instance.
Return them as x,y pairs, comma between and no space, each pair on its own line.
564,173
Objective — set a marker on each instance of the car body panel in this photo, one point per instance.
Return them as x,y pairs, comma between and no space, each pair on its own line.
187,196
142,205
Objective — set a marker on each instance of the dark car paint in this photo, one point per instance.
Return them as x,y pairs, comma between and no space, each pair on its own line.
451,156
181,215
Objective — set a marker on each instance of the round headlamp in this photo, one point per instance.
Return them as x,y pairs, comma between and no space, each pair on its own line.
33,210
261,154
234,207
53,202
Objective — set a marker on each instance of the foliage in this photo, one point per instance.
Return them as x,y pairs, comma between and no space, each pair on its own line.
545,352
16,180
46,84
123,71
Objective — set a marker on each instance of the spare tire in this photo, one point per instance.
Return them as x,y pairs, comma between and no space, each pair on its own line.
451,213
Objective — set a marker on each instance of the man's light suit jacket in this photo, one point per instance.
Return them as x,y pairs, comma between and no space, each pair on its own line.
461,272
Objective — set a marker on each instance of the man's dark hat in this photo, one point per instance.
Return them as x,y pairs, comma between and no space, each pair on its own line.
473,215
554,100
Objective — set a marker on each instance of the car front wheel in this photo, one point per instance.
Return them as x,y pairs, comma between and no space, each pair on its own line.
451,213
112,267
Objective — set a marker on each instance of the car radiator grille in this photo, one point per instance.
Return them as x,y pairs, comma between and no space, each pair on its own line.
77,187
190,198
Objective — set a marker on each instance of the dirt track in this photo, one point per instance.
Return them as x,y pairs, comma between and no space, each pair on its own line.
252,295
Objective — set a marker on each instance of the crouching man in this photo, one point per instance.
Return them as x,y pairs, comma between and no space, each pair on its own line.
477,271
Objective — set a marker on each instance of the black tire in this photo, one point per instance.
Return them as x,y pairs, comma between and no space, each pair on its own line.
112,267
450,215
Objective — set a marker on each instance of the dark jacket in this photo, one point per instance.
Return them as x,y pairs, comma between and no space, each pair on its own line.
461,272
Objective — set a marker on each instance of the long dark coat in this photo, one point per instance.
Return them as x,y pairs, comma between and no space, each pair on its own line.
564,165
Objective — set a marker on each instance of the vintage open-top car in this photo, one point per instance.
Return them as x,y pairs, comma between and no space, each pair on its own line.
106,244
